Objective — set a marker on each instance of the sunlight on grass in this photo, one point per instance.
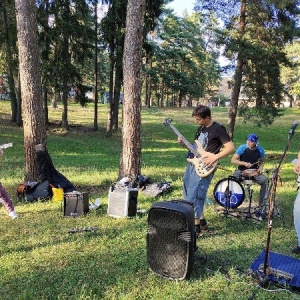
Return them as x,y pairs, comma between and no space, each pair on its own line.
41,260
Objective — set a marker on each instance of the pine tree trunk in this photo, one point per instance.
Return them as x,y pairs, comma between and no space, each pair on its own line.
130,164
238,75
31,87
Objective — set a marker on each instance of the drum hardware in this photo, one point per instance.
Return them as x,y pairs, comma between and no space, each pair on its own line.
230,193
249,193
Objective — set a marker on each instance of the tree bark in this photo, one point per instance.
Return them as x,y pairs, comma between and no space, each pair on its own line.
31,86
238,74
130,164
9,60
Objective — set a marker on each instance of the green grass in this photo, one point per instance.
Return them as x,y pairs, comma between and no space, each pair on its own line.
40,260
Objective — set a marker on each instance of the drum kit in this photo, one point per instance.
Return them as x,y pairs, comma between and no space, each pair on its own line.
231,192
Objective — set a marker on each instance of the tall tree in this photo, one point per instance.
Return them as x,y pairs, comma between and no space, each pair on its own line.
291,75
255,33
113,28
130,164
9,37
69,25
31,87
184,61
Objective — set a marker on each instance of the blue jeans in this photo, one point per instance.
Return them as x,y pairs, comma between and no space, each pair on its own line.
195,189
297,216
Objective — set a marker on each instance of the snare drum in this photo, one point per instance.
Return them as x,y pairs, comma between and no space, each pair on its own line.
229,193
250,172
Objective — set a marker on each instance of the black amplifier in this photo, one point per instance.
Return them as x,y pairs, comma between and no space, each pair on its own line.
76,204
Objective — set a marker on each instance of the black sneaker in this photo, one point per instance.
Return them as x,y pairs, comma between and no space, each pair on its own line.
296,250
258,214
204,227
197,230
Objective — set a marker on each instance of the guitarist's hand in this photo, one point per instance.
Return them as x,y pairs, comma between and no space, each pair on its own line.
209,158
180,141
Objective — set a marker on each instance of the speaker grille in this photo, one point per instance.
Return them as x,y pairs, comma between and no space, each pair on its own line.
170,241
122,203
76,204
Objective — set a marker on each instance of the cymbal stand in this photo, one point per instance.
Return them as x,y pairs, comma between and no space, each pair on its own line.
227,194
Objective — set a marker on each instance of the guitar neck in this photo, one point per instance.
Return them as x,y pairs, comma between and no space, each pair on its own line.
185,141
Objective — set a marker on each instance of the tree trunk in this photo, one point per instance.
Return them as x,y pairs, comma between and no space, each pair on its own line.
238,74
96,69
31,86
116,99
109,126
19,102
9,60
148,83
130,164
65,89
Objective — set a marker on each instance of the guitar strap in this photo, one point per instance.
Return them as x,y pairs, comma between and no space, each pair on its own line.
198,132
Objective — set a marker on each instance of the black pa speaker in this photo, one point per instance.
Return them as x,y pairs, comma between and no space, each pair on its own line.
122,202
170,239
76,204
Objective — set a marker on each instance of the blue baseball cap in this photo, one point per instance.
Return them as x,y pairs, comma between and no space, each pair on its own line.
252,138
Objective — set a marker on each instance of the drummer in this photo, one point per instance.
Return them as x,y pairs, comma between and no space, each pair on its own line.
249,159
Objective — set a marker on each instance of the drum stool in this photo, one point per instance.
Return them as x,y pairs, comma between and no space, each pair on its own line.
248,182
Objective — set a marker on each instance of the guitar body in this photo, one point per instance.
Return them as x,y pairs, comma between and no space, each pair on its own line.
201,169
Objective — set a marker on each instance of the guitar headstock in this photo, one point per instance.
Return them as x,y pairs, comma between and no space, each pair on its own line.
167,121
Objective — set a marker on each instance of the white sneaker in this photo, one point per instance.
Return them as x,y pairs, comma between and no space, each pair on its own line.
1,200
13,215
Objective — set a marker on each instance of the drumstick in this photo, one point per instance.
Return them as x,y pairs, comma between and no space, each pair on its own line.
259,161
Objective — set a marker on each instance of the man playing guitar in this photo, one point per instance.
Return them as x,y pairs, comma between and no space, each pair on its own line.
4,195
212,136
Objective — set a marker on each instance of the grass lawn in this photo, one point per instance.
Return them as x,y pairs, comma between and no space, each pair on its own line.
39,259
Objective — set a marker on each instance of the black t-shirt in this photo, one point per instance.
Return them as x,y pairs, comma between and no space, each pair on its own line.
213,137
251,156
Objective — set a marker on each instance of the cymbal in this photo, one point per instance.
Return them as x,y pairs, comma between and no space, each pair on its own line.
272,157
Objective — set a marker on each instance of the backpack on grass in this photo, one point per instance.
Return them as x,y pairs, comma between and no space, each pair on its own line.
38,191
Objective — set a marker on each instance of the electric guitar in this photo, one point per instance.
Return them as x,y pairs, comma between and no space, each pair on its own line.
5,146
201,169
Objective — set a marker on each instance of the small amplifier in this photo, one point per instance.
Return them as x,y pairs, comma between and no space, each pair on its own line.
76,204
122,202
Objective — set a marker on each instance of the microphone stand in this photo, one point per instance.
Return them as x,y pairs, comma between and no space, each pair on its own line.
266,267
